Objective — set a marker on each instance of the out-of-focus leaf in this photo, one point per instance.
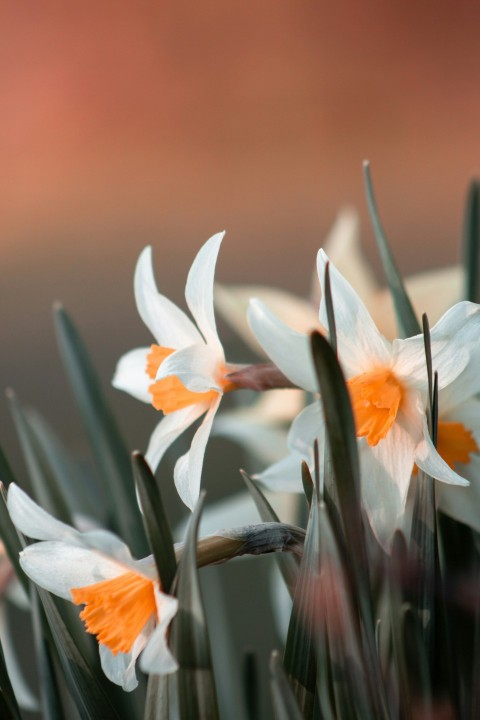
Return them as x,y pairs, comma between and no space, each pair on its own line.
110,452
156,524
189,636
46,491
419,701
6,472
11,540
250,675
88,689
287,563
343,451
307,482
157,705
406,319
49,692
300,658
471,243
284,702
8,703
70,482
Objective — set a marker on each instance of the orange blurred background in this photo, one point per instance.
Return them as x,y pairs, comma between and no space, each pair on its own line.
125,123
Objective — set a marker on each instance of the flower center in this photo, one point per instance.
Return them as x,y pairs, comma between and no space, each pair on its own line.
455,443
117,610
376,398
170,394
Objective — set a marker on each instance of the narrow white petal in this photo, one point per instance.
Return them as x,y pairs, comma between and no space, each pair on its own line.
59,567
359,342
169,325
169,429
157,657
307,427
188,469
120,668
464,387
284,475
131,374
199,289
428,459
289,350
462,503
196,366
33,521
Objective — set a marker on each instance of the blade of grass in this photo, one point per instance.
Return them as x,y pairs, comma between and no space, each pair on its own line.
471,242
406,319
8,701
284,703
49,692
156,524
111,455
189,635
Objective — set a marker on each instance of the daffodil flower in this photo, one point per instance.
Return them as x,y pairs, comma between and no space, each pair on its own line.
184,374
388,387
124,606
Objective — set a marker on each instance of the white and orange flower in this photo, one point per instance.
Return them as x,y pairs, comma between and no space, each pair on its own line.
124,606
388,387
184,374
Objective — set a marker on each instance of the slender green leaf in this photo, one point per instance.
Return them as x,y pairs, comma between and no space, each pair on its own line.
284,701
189,635
250,676
471,243
157,705
406,319
416,665
307,482
6,473
11,540
343,449
8,701
49,691
156,524
111,455
327,291
46,490
287,563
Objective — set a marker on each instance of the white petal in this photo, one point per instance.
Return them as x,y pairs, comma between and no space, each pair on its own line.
196,366
168,324
131,374
359,342
169,429
120,668
232,303
463,388
289,350
188,469
59,567
307,427
267,444
284,475
428,459
386,470
157,657
343,248
468,413
33,521
199,289
463,503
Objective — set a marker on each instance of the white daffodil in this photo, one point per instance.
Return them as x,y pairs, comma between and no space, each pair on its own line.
124,606
387,384
184,374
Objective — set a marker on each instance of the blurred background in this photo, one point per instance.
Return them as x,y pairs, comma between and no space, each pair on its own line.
126,123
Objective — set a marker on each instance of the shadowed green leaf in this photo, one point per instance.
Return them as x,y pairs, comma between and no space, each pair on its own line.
471,243
157,704
8,703
407,321
49,692
189,635
44,484
111,455
344,457
156,524
287,563
284,703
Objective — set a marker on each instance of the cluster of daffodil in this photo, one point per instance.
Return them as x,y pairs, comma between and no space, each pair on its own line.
184,375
